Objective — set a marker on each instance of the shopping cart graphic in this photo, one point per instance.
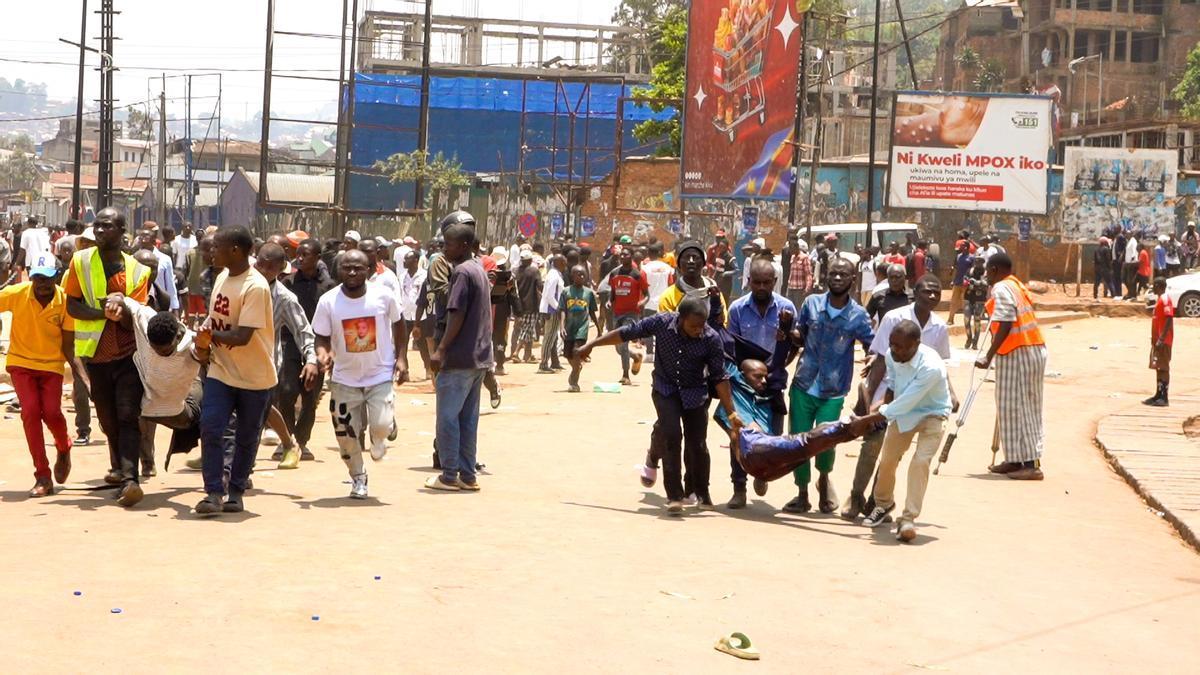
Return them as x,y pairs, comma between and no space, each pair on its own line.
737,74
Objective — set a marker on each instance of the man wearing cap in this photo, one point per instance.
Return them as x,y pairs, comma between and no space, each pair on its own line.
42,339
98,281
529,288
406,245
719,249
350,242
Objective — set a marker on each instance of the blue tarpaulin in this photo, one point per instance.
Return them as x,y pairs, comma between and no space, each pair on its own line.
478,121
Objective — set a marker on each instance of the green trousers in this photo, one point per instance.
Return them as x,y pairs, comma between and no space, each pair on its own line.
805,411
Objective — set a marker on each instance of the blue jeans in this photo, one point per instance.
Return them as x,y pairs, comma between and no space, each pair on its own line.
458,422
221,401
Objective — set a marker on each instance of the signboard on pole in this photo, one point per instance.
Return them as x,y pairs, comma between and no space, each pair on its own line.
749,220
556,224
740,102
1024,228
1118,187
527,225
587,226
970,152
675,226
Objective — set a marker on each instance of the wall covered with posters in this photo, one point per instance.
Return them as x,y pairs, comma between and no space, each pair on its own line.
740,98
1115,187
839,195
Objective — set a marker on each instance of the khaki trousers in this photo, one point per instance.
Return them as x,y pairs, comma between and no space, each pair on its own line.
895,443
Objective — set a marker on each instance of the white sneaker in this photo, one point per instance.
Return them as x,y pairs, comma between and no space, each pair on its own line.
358,489
649,475
269,437
691,500
906,532
378,452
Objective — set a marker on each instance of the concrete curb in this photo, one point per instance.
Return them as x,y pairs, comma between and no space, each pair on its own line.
1148,448
1044,319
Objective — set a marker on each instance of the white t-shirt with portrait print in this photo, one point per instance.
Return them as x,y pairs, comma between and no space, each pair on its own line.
360,332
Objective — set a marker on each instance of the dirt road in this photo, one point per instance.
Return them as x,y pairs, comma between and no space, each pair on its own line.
563,563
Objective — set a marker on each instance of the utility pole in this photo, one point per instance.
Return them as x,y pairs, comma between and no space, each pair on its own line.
188,176
912,66
867,241
423,119
104,183
160,185
76,200
798,128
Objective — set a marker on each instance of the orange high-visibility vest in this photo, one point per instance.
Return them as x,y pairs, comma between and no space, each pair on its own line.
1025,332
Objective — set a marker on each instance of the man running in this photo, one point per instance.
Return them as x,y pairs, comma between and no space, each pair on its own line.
1020,355
308,282
628,290
360,341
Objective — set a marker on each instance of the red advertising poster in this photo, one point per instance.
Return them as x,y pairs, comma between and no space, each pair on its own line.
743,60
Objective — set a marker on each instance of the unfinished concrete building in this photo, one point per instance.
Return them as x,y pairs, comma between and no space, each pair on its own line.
1114,62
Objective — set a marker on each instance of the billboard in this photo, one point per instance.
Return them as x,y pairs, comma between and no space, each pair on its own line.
1118,187
743,58
970,152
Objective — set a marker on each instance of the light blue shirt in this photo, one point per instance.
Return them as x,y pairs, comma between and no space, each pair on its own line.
919,389
745,320
164,279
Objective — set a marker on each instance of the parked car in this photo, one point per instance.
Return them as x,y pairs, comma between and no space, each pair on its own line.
1184,290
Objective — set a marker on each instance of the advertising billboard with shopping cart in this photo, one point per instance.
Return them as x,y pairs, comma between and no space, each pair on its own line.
970,152
743,58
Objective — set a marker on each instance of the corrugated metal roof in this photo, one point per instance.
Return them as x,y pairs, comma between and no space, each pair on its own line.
295,188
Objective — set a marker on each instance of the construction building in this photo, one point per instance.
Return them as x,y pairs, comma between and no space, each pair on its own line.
1113,62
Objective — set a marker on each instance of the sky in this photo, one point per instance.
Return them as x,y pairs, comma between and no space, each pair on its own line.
185,36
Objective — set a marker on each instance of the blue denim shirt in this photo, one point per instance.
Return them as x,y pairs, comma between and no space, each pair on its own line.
828,359
746,322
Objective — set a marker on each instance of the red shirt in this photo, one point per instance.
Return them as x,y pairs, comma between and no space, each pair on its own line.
1144,263
1163,310
894,259
628,289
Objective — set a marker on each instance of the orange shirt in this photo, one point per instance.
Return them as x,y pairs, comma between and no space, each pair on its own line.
116,342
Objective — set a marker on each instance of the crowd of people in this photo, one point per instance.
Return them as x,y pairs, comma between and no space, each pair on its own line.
1122,258
217,336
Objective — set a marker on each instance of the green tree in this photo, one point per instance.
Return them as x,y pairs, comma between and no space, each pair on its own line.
646,16
19,172
989,76
666,82
139,125
1187,92
20,142
438,173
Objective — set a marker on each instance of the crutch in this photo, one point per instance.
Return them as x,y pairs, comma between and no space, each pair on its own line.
963,412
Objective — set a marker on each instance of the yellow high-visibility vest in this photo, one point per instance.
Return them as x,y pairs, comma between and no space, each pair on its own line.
87,266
